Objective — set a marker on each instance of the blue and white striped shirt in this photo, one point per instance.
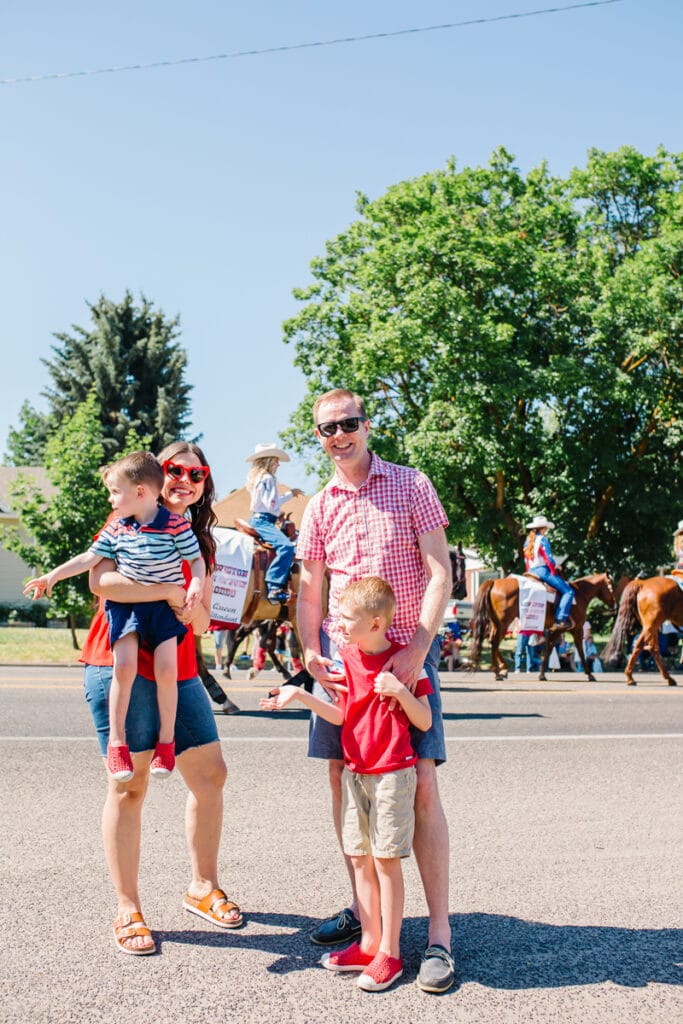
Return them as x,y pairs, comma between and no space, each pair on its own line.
151,553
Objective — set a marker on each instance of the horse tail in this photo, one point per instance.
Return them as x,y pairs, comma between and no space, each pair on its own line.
481,616
626,622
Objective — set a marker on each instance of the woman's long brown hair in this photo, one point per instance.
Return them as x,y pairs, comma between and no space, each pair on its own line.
529,546
202,513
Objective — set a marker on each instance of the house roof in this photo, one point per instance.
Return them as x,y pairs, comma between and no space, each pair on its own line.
236,504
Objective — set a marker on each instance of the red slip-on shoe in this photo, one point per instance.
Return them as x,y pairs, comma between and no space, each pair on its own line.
163,761
381,973
350,959
119,763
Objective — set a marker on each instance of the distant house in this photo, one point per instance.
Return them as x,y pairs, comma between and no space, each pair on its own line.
12,570
236,505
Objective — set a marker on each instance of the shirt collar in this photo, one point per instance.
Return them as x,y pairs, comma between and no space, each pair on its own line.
378,467
158,523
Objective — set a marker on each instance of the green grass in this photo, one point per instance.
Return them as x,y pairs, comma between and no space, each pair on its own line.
27,646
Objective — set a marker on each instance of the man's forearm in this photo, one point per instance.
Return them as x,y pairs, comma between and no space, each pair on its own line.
434,603
309,620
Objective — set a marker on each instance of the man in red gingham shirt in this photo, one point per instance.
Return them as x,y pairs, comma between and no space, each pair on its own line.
375,518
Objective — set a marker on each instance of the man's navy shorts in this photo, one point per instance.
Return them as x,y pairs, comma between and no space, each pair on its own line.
324,739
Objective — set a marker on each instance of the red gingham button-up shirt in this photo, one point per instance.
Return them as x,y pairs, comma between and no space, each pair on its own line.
373,531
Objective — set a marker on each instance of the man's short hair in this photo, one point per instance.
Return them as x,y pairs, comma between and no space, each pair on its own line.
331,396
371,594
138,468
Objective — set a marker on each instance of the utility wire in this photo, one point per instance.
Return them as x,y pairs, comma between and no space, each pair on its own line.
306,46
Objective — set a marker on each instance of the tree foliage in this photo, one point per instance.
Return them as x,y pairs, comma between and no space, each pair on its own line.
65,525
520,339
26,443
131,357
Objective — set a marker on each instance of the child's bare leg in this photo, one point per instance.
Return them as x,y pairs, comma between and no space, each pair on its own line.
367,888
166,675
125,653
391,896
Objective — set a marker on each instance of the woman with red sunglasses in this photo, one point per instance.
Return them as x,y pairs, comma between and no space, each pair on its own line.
188,491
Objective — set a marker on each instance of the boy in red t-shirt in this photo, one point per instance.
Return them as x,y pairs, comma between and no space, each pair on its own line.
375,711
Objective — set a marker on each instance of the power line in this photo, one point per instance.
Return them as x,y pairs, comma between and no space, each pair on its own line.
305,46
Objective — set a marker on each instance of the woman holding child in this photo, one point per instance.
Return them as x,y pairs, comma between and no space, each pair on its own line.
187,490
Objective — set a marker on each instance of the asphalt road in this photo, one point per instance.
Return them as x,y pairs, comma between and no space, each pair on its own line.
566,818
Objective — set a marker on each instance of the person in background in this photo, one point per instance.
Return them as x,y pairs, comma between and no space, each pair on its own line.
539,560
266,503
528,649
678,547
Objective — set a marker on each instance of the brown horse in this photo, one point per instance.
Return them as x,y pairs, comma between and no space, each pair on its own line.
647,603
497,605
260,614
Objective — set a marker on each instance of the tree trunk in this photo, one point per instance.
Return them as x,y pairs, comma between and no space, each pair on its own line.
72,627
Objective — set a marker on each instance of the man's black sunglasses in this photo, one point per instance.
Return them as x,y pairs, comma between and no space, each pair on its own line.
349,426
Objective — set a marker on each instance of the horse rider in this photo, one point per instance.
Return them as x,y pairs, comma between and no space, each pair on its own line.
678,548
539,561
266,502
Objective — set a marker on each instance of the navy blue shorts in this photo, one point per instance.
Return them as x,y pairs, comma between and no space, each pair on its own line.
153,621
195,724
324,739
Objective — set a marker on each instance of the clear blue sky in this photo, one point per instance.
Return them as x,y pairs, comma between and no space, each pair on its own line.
209,187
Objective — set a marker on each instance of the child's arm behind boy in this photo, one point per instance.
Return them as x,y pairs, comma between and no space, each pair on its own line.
284,695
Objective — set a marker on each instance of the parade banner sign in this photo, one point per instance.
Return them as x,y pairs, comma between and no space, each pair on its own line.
532,602
234,556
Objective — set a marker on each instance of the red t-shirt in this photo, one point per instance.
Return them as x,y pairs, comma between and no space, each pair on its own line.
374,739
96,649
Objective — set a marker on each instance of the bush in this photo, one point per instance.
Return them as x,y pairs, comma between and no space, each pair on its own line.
35,612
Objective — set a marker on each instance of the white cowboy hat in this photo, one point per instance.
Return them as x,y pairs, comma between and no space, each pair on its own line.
540,523
267,451
680,528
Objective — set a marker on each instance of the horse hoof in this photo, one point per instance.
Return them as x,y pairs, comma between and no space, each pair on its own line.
672,682
542,678
631,682
591,678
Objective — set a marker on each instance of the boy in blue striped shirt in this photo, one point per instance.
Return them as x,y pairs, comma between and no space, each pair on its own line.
148,544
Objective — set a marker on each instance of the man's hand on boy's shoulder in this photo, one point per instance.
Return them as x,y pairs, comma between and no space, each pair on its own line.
407,665
325,672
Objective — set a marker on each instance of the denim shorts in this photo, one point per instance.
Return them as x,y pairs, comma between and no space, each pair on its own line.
194,723
324,739
153,621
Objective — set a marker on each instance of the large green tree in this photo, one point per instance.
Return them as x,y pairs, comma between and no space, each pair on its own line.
520,339
61,527
131,356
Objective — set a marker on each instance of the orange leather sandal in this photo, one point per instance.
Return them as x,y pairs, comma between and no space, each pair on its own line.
132,926
214,907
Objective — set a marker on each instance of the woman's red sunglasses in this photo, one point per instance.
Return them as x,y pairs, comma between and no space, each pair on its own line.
176,472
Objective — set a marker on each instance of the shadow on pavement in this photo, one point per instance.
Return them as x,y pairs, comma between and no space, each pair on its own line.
453,716
510,953
492,950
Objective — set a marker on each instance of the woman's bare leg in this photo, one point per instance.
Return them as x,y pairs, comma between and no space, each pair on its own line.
204,772
121,821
